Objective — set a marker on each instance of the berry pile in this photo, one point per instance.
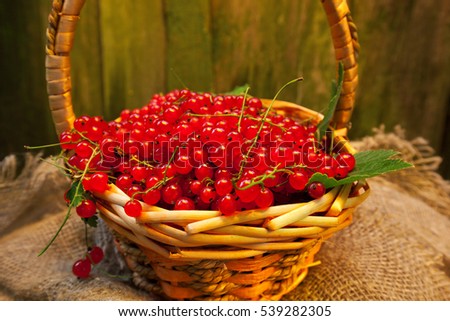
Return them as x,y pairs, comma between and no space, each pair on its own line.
198,151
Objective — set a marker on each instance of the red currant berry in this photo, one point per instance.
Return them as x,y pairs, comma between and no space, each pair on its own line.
166,170
133,208
223,186
247,194
152,197
298,180
227,205
346,160
95,255
196,187
84,149
124,181
171,192
208,194
94,133
254,102
66,140
98,182
86,209
184,203
139,172
81,123
135,191
327,170
265,198
340,172
183,164
204,171
316,190
82,268
222,173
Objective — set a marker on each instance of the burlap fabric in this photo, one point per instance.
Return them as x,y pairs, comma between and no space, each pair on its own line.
398,247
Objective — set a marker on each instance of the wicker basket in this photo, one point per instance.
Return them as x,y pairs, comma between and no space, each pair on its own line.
261,255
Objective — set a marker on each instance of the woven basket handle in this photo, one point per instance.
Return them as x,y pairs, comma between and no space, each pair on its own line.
60,37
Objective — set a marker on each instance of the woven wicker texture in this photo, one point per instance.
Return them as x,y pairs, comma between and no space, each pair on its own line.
399,241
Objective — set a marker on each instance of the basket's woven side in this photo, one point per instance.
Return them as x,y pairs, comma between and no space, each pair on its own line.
346,46
60,35
263,277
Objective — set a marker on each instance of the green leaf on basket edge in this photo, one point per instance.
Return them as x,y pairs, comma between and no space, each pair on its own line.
335,94
368,164
75,193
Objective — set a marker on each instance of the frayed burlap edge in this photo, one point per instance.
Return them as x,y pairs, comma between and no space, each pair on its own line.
423,180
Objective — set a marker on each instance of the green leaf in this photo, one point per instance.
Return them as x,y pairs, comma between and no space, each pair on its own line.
238,90
335,94
91,221
75,193
368,164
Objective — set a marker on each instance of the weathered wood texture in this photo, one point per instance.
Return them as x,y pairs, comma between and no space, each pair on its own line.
125,51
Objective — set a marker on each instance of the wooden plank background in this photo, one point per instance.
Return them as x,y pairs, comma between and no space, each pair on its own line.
125,51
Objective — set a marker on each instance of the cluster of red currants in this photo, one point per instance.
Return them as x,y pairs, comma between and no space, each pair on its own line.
198,151
82,268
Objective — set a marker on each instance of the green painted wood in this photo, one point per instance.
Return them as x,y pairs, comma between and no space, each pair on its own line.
24,116
268,43
133,53
404,58
87,93
189,52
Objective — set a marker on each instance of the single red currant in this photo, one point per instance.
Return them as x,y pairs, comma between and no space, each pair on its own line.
196,187
151,197
184,203
204,171
346,160
124,181
316,190
133,208
86,209
247,194
298,180
227,205
171,192
139,172
223,186
208,194
98,182
340,172
84,149
82,268
95,255
265,198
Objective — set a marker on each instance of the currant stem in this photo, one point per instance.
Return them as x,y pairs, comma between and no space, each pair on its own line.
263,120
233,115
41,146
242,110
72,201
